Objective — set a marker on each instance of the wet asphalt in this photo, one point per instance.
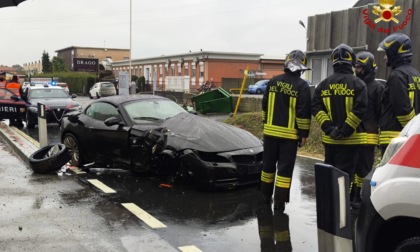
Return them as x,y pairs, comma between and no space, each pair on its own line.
48,212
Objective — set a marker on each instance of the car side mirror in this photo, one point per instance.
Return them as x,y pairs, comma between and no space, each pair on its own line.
112,121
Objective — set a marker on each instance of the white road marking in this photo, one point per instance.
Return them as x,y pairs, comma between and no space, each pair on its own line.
189,249
143,215
101,186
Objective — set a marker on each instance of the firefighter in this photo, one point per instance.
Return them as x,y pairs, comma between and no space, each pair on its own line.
15,87
338,105
400,101
365,69
287,116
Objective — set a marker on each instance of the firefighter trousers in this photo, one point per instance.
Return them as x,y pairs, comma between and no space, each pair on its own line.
342,157
279,154
364,163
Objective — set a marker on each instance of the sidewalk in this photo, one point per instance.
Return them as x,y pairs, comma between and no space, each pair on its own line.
22,144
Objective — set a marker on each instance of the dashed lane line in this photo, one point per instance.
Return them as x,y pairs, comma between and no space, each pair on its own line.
101,186
189,249
143,215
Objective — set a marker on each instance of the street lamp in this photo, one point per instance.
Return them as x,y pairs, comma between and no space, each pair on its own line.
133,88
302,24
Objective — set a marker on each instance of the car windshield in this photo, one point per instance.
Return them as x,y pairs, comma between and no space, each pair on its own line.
47,93
153,110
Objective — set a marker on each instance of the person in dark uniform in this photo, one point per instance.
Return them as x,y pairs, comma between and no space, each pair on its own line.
401,99
287,116
338,105
365,69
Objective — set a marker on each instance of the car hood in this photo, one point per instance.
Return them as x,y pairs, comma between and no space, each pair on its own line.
55,102
188,131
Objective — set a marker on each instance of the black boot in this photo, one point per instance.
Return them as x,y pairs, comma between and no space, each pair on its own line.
357,200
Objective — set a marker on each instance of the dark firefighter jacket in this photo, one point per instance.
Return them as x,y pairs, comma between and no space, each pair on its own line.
340,100
373,112
400,102
286,107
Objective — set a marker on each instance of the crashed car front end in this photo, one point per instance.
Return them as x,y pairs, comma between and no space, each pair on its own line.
224,170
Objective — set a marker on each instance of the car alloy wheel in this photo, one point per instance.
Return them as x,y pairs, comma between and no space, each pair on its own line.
73,146
259,91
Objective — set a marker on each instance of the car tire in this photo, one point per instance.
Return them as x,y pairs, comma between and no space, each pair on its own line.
90,96
97,96
258,91
39,163
29,124
73,146
410,244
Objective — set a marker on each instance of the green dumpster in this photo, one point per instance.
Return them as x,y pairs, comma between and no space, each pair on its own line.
215,101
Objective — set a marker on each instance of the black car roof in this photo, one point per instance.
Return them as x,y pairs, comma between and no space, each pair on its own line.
118,99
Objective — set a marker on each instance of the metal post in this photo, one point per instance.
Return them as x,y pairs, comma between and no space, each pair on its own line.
333,209
242,88
129,71
42,125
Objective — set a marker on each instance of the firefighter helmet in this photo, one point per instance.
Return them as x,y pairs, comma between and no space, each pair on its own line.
296,61
367,61
397,46
343,54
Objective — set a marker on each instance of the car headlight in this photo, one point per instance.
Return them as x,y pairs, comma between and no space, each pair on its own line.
33,109
78,108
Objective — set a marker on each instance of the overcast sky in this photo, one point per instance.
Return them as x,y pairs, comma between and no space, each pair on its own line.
159,27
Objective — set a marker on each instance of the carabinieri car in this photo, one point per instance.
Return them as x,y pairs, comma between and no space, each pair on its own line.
56,100
115,132
11,106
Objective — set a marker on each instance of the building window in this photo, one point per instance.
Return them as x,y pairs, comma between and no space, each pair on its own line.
201,70
193,71
186,70
160,71
172,70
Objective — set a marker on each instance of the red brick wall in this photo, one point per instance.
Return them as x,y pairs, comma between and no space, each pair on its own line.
227,69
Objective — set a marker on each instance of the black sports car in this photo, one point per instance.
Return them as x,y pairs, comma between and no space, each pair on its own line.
11,106
56,100
153,133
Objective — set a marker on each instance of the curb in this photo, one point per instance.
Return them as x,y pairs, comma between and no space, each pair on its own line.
21,143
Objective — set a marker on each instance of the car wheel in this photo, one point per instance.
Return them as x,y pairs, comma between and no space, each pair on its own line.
97,96
408,245
72,144
90,96
49,158
259,91
29,124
